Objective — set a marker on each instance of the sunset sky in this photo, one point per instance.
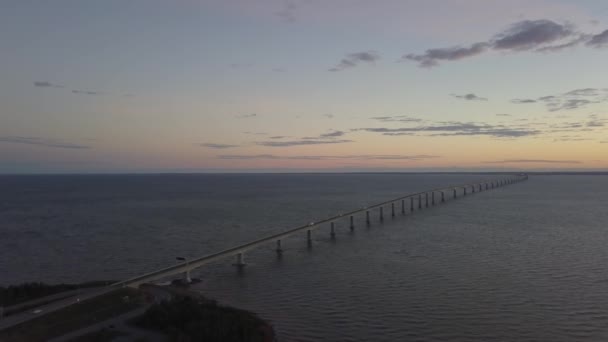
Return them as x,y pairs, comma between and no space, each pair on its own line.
303,85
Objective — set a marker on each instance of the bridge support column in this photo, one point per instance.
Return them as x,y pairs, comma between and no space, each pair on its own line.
367,217
352,223
486,186
419,201
309,237
433,198
455,194
403,207
472,188
333,231
465,191
411,204
381,214
187,277
442,197
279,249
240,260
393,209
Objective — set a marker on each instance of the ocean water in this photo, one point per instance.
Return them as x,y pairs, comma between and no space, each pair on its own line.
526,262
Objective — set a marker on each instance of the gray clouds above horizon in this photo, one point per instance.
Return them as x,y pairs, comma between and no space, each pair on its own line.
523,161
469,97
527,35
573,99
343,157
217,146
353,59
37,141
301,142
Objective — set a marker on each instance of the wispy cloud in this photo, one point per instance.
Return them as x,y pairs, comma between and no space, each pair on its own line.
354,59
469,97
599,40
288,12
573,99
86,92
343,157
521,101
45,84
42,142
457,129
301,142
246,116
397,118
218,146
537,161
527,35
503,114
333,134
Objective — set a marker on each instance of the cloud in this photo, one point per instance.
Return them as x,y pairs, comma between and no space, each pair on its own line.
288,12
45,84
86,92
300,142
398,118
42,142
544,161
354,59
278,137
255,133
527,35
503,114
432,57
599,40
246,116
530,34
522,101
470,97
457,129
344,157
218,146
570,100
332,134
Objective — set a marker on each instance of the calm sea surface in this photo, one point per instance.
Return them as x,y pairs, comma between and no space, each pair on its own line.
527,262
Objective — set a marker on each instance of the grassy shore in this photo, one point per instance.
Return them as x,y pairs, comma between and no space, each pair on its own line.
74,317
194,318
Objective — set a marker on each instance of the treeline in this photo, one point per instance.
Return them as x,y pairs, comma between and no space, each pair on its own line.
15,294
187,319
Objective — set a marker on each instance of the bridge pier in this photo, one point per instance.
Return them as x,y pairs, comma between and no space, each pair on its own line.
426,199
403,207
486,186
433,198
465,191
393,209
473,188
367,217
240,260
442,197
279,249
381,214
411,204
309,237
333,231
419,201
455,194
352,223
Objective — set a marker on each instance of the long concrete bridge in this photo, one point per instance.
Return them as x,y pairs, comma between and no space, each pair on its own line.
405,204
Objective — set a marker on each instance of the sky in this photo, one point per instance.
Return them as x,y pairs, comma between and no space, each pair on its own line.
303,85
